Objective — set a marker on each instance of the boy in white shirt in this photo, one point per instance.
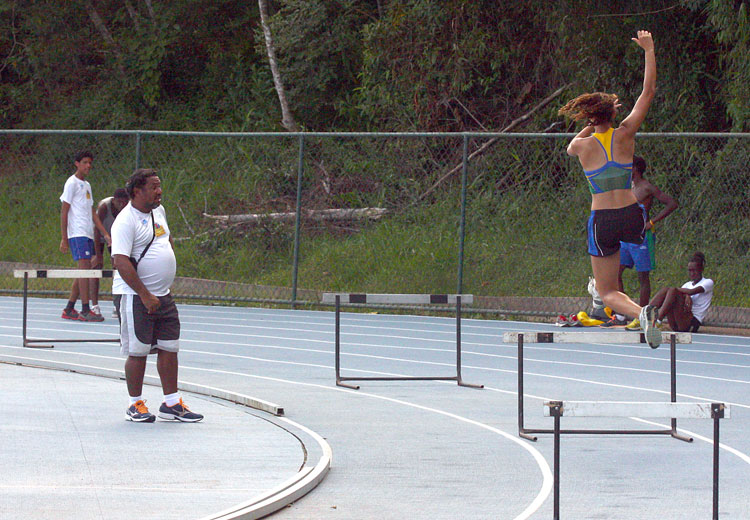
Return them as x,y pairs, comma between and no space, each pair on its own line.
77,221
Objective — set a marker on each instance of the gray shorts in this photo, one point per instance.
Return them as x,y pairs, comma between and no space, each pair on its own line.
141,331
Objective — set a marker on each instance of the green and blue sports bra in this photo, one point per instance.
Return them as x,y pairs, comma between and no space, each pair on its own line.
613,175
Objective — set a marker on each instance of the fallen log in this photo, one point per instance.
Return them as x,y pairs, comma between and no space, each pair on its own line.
319,215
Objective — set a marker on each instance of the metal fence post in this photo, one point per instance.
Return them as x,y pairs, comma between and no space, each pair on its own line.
462,225
297,217
137,150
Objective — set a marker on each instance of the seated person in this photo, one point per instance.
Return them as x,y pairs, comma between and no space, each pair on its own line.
686,307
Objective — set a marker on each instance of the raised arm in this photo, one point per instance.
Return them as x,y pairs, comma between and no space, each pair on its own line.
631,123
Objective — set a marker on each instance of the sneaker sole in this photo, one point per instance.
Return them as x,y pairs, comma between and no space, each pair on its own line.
94,320
650,330
71,318
145,419
172,417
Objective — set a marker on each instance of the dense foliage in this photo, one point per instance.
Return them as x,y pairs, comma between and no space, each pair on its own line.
427,65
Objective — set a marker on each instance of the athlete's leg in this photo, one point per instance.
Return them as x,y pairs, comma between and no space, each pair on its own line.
645,282
94,283
658,299
605,272
74,292
135,368
166,364
83,283
675,310
620,286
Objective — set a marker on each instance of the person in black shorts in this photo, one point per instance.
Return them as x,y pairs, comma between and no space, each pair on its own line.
606,155
107,211
142,252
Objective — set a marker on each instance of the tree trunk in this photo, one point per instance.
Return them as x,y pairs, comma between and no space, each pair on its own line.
287,119
133,14
104,32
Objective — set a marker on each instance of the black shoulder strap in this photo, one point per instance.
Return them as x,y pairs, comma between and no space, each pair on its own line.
143,253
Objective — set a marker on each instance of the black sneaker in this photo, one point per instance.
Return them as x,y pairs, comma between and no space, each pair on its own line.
178,412
90,316
614,322
139,413
70,314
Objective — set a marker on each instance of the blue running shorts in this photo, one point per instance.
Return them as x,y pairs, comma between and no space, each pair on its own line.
81,248
639,255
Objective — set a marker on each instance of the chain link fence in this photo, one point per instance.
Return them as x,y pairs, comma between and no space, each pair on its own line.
280,218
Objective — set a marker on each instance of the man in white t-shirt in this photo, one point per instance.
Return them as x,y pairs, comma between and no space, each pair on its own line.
143,254
77,221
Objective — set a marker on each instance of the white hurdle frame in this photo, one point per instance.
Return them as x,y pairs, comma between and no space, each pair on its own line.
56,273
398,299
672,410
608,336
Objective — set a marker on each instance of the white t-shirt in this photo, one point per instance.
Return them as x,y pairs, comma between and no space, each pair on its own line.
131,233
701,301
78,194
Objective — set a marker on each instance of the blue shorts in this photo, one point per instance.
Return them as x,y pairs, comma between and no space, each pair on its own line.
639,255
81,248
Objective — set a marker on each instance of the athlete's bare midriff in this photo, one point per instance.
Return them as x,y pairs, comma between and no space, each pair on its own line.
614,199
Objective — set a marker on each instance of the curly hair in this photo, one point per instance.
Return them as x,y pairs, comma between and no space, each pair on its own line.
139,179
596,108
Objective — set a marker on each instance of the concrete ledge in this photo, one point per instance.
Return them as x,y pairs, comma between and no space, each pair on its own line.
258,507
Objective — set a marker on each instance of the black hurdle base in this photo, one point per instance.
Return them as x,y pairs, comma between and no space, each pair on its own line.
47,343
528,433
457,378
717,413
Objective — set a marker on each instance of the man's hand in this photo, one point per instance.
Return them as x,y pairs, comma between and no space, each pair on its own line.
63,246
151,302
108,239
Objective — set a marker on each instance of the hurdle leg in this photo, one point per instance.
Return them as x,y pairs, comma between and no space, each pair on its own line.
521,430
338,347
25,296
556,410
717,411
673,385
458,347
28,342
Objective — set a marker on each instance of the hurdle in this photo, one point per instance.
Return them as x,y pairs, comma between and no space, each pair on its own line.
56,273
398,299
609,336
672,410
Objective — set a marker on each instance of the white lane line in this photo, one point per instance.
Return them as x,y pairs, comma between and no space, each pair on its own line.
541,496
744,457
741,455
500,370
450,341
243,312
450,325
424,362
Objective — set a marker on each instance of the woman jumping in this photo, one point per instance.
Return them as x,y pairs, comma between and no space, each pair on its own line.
606,155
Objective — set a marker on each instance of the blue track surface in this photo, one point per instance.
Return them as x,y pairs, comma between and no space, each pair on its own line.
435,450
